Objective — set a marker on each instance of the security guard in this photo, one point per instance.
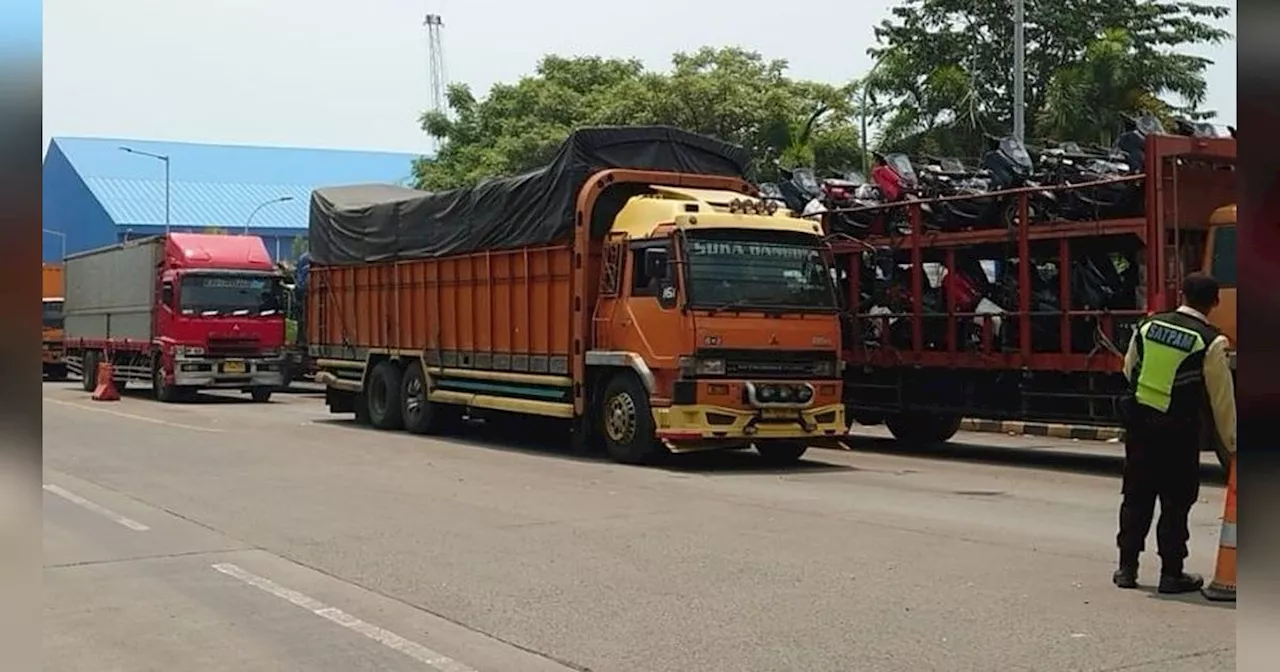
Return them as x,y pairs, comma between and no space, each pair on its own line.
1181,392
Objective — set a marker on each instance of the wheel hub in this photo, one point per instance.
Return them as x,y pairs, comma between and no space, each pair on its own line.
620,418
414,396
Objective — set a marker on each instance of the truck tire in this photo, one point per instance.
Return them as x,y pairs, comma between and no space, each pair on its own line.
781,452
89,372
166,393
382,394
626,422
923,429
420,415
56,372
261,395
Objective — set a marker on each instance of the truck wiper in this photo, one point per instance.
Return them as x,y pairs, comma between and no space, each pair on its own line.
736,303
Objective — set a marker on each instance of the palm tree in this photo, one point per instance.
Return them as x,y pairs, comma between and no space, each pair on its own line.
1084,100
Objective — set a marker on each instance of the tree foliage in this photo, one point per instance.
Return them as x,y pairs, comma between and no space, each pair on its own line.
944,73
732,94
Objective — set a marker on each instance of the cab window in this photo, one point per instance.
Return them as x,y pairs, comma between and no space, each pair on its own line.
649,266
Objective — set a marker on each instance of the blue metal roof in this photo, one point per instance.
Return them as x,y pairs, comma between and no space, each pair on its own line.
220,185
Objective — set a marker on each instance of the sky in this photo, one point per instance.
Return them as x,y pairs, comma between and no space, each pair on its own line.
354,75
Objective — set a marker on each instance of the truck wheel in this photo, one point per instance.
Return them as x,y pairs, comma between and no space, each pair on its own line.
89,372
626,422
923,428
57,372
420,415
261,395
165,393
382,394
781,452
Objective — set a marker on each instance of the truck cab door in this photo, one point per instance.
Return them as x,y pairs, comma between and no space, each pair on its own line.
651,322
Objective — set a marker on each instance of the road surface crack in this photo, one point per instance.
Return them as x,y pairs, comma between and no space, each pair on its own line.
158,556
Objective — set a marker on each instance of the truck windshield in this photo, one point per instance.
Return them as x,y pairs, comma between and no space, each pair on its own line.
738,269
52,314
230,294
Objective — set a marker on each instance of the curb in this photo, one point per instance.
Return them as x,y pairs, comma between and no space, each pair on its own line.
1082,432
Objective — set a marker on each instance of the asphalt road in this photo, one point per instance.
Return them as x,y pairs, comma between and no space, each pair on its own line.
224,535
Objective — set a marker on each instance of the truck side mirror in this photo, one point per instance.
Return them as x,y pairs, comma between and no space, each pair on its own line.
166,294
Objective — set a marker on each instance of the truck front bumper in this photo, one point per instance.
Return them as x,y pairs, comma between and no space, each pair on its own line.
688,428
229,373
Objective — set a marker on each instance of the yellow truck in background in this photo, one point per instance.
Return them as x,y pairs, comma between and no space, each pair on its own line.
1220,262
55,367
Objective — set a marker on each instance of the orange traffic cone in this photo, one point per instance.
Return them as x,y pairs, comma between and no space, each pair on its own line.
1223,587
106,389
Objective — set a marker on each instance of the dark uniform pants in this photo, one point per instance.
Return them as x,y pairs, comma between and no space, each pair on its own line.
1160,464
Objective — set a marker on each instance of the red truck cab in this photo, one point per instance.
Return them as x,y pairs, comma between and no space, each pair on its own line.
183,312
221,313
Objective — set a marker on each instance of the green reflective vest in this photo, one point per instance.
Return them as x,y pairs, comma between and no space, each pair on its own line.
1170,367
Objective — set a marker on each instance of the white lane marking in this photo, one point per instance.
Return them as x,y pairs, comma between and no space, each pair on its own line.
96,508
131,416
386,638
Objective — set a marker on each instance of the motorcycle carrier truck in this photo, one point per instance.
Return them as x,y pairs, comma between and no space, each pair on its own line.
1027,322
633,287
182,312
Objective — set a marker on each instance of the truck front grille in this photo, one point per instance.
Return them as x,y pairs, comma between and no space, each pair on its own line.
233,346
779,364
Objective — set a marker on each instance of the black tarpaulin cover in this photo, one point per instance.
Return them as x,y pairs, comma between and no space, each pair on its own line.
364,223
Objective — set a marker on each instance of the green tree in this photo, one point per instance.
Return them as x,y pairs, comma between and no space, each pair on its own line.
215,230
944,77
299,245
732,94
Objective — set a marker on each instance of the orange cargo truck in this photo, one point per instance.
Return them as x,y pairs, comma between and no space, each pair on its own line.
1220,261
635,286
51,346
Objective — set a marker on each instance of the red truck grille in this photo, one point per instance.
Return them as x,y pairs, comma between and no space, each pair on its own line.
223,346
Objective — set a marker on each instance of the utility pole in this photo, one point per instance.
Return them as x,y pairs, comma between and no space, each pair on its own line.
435,65
1019,71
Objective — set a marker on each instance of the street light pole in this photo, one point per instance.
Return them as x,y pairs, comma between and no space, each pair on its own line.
165,159
61,235
1019,71
866,84
279,199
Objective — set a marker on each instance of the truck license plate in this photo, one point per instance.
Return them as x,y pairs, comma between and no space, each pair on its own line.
233,367
779,414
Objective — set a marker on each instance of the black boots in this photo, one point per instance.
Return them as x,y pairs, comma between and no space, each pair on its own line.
1180,582
1126,576
1171,582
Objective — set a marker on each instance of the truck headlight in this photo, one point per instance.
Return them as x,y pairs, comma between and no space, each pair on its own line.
709,367
825,369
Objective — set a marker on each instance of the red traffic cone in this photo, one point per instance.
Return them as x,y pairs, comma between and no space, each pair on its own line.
1223,587
106,389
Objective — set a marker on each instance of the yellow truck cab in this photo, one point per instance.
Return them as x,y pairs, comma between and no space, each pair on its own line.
1220,261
